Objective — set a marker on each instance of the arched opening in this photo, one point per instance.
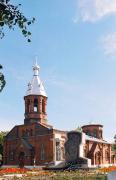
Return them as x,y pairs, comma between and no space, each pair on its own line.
43,106
21,159
35,105
88,133
98,158
11,157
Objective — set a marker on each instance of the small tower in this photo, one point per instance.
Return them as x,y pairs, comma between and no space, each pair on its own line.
35,100
94,130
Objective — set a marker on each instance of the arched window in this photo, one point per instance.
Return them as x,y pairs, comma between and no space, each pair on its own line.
35,105
11,157
42,152
43,106
98,158
28,105
88,133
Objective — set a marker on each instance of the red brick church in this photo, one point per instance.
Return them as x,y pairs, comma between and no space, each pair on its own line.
37,143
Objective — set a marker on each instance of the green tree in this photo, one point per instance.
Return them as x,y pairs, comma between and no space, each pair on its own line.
2,80
11,16
79,129
114,145
2,135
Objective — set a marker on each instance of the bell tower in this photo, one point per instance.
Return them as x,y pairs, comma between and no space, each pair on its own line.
35,100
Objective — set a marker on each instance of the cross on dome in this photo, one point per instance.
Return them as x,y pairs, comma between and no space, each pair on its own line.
36,68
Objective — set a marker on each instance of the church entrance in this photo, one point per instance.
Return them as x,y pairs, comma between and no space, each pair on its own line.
21,159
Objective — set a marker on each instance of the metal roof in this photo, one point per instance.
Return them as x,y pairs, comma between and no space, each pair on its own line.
35,87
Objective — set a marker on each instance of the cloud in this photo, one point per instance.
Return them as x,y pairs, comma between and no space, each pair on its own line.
94,10
109,44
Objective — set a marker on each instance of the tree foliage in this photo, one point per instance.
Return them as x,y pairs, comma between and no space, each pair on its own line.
114,145
78,129
2,135
2,80
11,16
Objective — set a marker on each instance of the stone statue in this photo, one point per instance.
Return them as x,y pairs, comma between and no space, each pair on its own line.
72,146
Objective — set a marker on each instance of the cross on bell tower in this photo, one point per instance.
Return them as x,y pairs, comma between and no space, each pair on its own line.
35,100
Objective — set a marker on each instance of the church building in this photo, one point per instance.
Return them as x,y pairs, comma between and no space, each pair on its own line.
36,143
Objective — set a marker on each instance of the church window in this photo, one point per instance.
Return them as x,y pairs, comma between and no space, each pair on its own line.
35,105
42,152
43,106
88,133
11,156
95,133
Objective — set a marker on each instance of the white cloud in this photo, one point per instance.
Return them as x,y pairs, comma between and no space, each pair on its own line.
109,44
94,10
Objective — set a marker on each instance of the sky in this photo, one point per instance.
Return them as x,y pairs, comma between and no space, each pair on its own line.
75,41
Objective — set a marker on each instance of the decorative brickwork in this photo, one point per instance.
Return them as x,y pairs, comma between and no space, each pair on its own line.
35,109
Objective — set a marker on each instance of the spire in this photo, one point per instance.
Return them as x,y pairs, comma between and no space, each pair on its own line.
36,68
35,87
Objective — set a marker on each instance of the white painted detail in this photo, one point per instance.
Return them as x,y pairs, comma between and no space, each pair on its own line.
81,147
58,136
35,87
56,163
81,152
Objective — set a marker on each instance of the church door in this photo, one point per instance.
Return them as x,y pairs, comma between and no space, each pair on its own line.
21,159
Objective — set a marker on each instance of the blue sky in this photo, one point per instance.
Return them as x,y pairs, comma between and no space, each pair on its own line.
75,42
